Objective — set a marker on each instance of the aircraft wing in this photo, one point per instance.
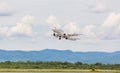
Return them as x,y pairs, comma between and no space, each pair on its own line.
73,39
74,34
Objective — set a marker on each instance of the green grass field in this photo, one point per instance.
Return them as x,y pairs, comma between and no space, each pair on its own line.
59,72
56,71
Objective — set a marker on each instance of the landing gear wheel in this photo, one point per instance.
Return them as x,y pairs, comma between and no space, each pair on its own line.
59,38
66,38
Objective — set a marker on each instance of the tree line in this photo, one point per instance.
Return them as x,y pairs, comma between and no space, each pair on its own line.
55,65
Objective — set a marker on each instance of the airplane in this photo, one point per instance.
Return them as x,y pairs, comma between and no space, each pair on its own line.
60,34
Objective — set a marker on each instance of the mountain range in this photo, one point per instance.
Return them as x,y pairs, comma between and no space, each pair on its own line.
61,55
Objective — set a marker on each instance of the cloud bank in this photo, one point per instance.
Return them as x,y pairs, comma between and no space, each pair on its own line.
23,28
71,27
110,29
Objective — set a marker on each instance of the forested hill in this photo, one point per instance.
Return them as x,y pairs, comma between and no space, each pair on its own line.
61,55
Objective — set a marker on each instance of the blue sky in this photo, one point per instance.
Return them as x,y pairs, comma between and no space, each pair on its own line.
26,24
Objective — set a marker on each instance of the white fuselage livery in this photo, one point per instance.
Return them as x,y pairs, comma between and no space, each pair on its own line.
60,34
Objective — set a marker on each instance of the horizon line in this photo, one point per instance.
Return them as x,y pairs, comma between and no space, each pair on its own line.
57,50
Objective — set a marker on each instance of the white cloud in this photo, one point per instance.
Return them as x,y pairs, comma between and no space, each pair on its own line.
53,22
111,20
22,28
3,31
89,31
5,9
28,20
110,29
72,27
99,8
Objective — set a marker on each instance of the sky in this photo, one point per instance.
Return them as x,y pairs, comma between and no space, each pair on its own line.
26,24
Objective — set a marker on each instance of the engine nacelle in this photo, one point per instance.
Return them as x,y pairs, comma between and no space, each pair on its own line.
54,34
